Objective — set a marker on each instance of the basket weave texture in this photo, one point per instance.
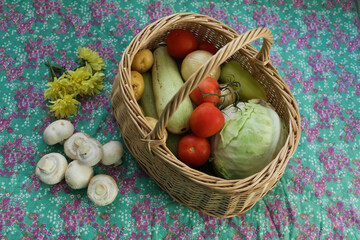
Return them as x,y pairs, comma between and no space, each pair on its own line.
195,189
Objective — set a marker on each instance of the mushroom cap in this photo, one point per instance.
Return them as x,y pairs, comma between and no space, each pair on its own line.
77,175
102,189
73,143
90,152
58,131
50,169
112,153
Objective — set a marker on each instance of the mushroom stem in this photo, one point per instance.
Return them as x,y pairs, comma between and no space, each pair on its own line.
47,165
84,149
78,141
51,168
101,190
72,144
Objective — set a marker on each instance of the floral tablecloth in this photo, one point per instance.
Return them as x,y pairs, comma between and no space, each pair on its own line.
317,52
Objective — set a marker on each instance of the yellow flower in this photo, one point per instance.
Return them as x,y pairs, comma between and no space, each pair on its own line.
93,85
77,78
58,88
91,57
88,68
86,80
63,108
85,83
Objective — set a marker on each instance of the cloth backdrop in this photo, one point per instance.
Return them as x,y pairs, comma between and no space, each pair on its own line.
316,51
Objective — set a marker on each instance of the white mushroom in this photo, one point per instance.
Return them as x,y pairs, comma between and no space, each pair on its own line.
89,152
58,131
77,175
51,168
73,143
102,189
112,153
82,147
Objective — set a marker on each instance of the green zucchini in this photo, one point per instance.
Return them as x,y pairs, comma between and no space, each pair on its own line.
172,142
147,101
250,88
167,80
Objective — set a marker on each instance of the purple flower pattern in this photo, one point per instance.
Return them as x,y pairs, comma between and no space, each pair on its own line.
316,51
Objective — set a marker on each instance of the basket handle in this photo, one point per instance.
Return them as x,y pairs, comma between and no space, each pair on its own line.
262,58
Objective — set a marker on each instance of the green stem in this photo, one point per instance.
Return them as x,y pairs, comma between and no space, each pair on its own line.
234,83
52,72
55,69
81,63
58,69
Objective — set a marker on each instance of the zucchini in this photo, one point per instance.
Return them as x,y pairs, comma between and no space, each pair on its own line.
250,88
166,80
147,101
172,142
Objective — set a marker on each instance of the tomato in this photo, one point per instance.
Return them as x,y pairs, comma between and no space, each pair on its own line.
207,47
180,43
206,120
193,150
207,86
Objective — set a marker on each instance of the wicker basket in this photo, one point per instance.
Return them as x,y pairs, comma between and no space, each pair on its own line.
195,189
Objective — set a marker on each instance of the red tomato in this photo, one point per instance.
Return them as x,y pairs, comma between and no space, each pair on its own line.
207,47
193,150
206,120
207,86
180,43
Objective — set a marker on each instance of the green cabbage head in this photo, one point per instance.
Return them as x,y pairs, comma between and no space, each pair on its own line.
252,136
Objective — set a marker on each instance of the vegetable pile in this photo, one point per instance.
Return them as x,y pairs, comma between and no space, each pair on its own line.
225,123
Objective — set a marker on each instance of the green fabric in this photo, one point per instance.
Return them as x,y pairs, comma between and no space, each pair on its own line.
316,51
